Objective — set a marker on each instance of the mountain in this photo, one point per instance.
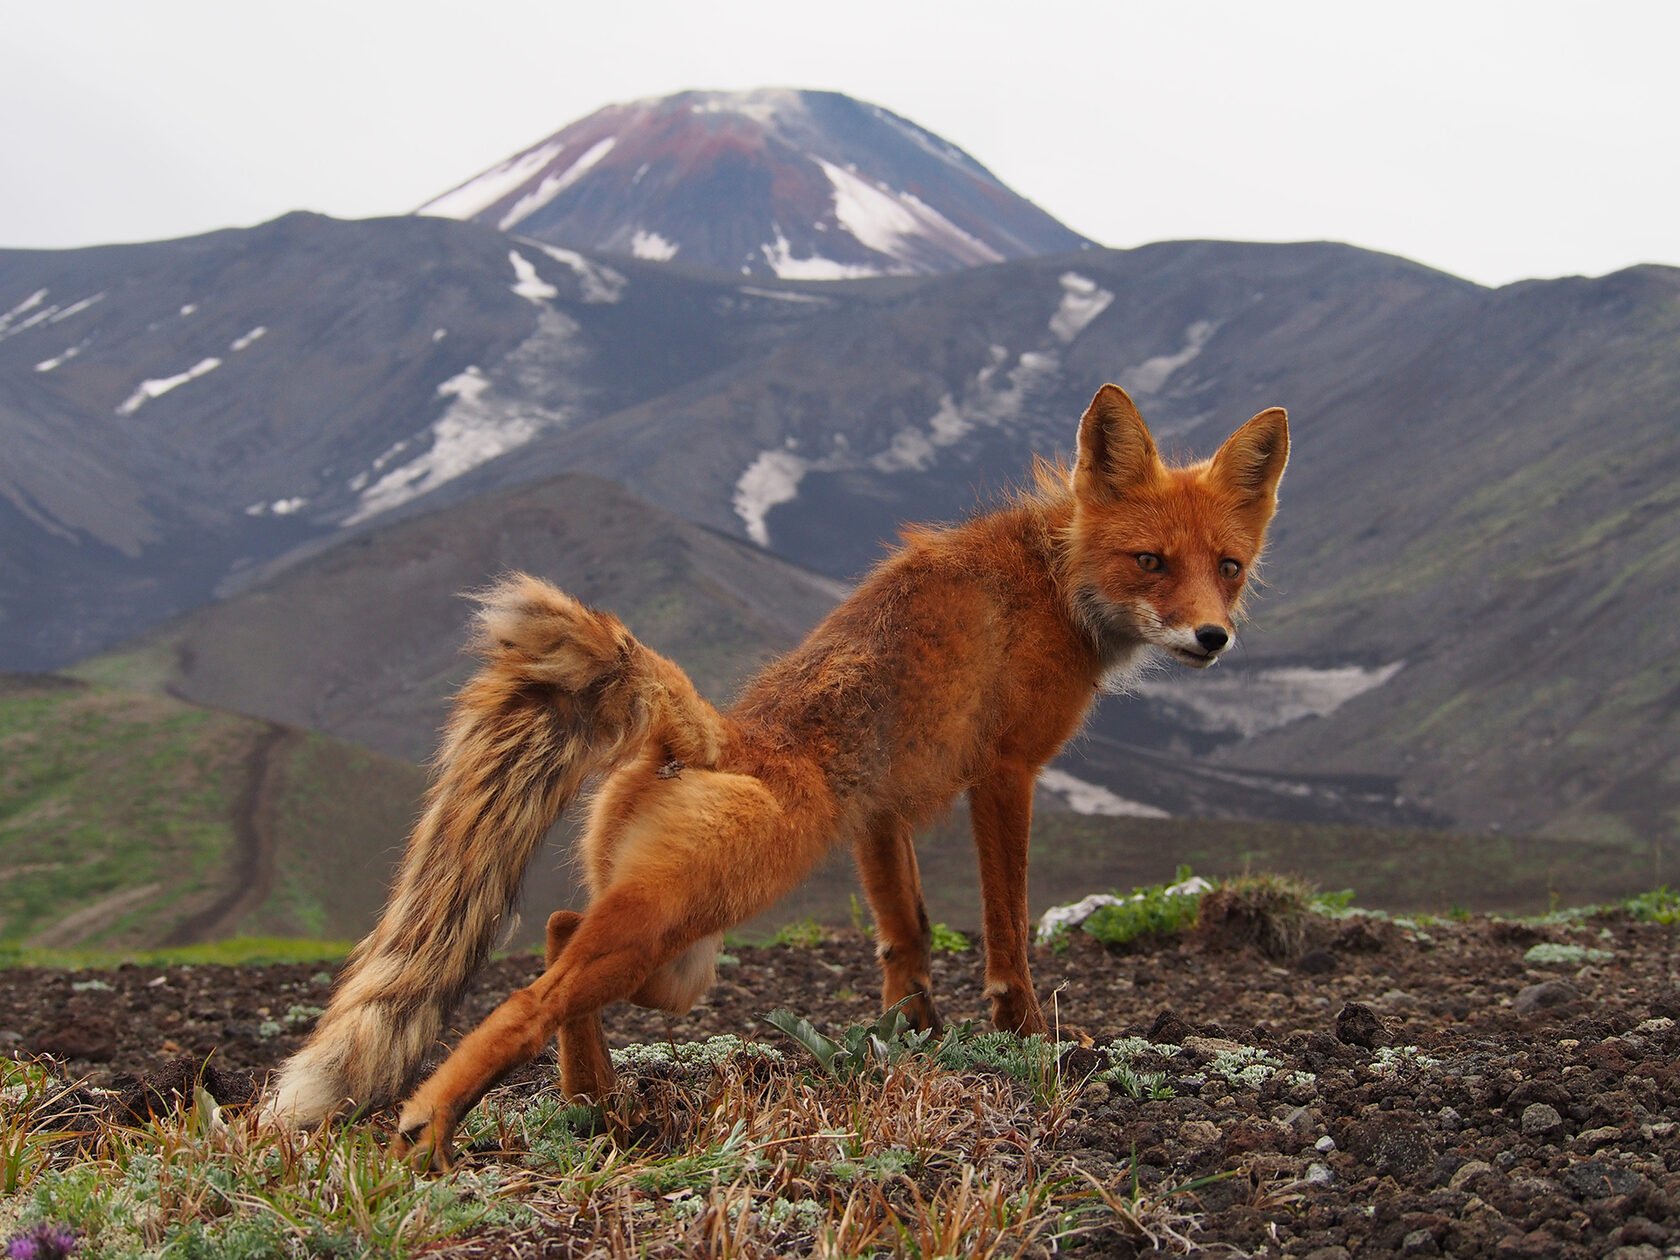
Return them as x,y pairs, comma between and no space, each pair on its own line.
796,185
363,639
1468,601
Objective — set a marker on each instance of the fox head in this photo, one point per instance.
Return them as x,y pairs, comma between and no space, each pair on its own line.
1159,555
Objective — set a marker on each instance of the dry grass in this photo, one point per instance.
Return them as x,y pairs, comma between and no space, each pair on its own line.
734,1153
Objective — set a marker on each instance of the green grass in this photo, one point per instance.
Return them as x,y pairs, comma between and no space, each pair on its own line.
123,815
238,951
111,799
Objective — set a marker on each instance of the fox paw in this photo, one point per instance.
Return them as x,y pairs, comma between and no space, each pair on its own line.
425,1140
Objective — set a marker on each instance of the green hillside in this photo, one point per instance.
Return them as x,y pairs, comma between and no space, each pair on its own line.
129,820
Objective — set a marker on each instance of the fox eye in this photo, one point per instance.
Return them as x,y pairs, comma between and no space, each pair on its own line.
1229,569
1149,562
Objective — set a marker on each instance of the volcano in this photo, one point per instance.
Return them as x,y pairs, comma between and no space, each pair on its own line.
769,183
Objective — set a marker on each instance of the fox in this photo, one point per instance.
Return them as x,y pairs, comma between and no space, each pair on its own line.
962,662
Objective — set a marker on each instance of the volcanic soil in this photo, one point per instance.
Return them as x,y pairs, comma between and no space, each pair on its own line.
1443,1088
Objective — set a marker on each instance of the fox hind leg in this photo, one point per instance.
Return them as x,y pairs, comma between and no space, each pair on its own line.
886,862
585,1061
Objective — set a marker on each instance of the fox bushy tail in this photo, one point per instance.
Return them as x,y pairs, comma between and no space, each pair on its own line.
565,692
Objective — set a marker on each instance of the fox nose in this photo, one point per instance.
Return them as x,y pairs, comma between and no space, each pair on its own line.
1212,638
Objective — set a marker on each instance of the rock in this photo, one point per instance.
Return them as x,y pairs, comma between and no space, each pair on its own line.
1420,1242
1469,1172
1592,1139
1169,1029
1325,1144
1358,1025
1598,1179
1637,1251
1198,1134
1364,936
1389,1145
1328,1253
1543,996
1320,1175
1540,1120
1316,962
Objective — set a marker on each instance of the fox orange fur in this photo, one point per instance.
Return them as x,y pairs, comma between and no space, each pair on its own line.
963,662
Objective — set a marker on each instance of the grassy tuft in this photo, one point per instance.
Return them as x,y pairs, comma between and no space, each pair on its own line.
1268,912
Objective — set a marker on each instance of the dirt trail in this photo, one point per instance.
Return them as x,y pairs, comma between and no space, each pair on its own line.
252,862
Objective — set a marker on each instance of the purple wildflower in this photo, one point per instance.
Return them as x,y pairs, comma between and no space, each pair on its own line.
44,1242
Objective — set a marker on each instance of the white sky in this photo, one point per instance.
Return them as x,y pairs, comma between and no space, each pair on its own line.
1497,139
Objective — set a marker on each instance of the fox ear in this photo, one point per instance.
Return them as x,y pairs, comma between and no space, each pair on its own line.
1252,459
1116,452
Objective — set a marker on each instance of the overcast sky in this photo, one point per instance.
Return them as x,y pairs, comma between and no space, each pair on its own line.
1497,140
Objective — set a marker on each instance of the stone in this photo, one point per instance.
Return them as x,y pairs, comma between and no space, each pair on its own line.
1542,996
1540,1120
1358,1025
1468,1172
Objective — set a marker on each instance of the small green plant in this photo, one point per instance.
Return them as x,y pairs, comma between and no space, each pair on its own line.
947,940
1149,913
1551,954
860,1047
1333,905
1660,905
805,934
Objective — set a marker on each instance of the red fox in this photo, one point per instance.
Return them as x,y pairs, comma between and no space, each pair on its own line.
963,662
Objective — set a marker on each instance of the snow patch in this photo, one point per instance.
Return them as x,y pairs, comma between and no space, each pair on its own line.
529,285
553,185
48,365
1082,301
762,105
816,267
483,191
599,284
19,319
1151,376
914,451
76,308
782,295
886,221
465,436
770,479
1251,702
535,389
1093,798
150,389
28,304
249,339
645,244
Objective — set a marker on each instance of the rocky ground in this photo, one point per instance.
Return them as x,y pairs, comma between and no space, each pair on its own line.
1465,1088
